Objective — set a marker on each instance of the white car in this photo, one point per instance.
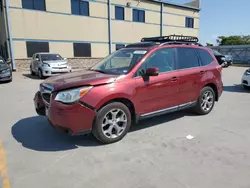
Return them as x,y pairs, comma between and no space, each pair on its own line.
246,79
48,64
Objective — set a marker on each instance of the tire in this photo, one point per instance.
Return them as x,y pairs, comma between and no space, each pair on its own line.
32,72
104,117
40,74
200,108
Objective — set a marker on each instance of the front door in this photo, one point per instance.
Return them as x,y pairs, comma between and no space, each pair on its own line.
160,92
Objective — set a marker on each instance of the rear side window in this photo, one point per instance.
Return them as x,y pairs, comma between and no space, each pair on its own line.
187,58
205,56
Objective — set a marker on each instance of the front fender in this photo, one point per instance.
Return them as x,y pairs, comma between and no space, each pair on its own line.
112,97
100,95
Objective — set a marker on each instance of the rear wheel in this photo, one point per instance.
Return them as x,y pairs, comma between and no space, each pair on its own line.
112,123
206,101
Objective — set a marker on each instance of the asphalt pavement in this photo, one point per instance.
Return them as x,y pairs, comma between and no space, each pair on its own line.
179,150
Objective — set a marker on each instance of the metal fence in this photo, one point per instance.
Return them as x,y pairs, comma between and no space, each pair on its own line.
240,53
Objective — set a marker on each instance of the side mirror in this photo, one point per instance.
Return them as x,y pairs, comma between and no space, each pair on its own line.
152,71
36,59
65,58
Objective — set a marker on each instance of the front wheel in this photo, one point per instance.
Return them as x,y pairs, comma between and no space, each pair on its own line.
206,101
40,74
31,71
112,123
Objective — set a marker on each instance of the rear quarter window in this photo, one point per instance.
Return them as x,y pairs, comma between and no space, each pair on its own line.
205,56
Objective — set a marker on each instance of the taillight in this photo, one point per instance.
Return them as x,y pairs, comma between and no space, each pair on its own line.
219,68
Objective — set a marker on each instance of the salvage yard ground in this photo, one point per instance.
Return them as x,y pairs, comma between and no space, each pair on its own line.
155,153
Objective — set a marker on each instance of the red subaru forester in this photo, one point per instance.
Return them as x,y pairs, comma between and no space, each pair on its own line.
155,76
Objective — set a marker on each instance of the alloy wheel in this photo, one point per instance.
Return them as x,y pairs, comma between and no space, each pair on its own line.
114,123
207,101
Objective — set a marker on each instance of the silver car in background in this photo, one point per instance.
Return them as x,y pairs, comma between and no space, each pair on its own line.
48,64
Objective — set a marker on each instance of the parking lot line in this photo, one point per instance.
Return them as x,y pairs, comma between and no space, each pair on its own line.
3,169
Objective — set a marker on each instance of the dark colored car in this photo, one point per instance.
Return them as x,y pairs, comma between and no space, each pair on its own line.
229,60
5,71
156,76
220,58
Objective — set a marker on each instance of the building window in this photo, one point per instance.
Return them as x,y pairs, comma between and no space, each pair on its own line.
82,50
138,15
189,22
34,4
36,47
119,13
119,46
79,7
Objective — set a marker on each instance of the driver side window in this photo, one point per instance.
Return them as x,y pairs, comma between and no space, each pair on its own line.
162,59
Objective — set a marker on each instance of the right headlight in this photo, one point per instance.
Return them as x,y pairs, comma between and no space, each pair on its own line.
72,95
247,72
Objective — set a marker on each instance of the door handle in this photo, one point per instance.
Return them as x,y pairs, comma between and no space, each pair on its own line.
174,79
202,72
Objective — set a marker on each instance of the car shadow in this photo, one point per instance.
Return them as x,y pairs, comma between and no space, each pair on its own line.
34,77
36,133
237,88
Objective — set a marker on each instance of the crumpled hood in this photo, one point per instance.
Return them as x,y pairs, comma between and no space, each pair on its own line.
78,79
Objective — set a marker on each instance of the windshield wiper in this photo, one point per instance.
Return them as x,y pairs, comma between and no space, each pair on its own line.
96,70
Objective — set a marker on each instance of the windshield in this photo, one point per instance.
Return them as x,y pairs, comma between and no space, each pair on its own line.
50,57
120,62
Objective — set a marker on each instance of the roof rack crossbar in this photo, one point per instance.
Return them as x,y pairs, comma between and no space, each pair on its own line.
179,38
179,42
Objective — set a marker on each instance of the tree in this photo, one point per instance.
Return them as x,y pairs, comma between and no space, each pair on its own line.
209,44
233,40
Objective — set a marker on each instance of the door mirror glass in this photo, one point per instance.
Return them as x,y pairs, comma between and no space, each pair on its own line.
152,71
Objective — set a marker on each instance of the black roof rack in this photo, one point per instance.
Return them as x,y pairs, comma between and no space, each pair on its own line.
166,40
171,38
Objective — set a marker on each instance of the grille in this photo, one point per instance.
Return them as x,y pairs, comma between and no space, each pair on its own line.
59,67
46,97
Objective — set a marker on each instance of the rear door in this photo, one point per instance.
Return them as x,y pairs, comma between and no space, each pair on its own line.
190,74
157,92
